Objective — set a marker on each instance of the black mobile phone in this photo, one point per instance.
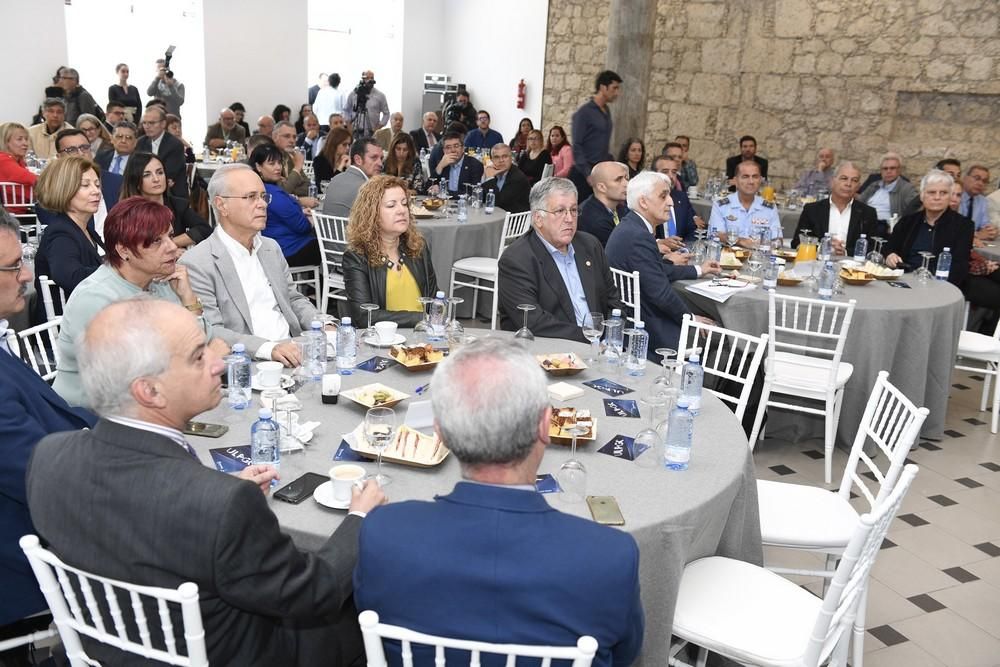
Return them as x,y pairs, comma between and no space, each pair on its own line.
205,429
297,491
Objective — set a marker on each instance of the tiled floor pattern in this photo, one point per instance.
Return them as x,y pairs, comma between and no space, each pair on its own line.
935,592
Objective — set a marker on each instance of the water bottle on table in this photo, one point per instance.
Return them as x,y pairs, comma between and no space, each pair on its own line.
827,277
615,338
437,317
677,452
943,265
861,248
635,361
238,377
771,272
692,380
463,210
491,201
347,347
265,442
314,359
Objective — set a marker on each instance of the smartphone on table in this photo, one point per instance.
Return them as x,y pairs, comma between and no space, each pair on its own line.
300,489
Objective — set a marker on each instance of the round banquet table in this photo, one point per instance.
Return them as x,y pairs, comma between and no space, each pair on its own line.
676,517
990,251
789,217
912,333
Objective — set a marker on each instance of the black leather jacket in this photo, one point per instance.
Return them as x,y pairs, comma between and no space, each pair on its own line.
366,284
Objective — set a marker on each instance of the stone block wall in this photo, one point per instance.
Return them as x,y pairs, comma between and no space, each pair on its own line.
921,77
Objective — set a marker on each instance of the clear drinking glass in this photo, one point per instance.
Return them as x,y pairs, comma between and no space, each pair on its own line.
593,326
755,262
875,256
453,328
524,333
647,448
923,274
423,327
572,474
369,337
732,235
380,427
664,383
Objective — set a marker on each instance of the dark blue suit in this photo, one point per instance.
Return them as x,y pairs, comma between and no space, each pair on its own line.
31,410
632,248
66,255
596,219
500,565
683,215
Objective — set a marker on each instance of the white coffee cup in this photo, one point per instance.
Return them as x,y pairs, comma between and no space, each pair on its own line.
269,373
386,331
693,192
343,478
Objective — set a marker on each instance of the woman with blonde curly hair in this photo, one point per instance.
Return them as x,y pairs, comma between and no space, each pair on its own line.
387,261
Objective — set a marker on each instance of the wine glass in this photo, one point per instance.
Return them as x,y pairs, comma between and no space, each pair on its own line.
593,326
755,262
732,234
663,385
453,328
369,337
380,427
923,274
875,256
572,474
423,327
524,333
646,446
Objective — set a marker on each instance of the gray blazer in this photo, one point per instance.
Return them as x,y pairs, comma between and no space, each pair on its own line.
342,192
214,279
134,505
903,199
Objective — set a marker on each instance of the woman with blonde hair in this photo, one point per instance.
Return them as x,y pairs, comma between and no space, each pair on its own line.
14,145
387,261
97,134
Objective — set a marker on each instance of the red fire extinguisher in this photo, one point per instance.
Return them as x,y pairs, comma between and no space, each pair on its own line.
520,94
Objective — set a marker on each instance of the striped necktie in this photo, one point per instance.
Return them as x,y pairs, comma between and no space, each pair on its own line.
614,214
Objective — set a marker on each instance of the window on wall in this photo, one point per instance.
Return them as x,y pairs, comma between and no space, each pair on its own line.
102,33
351,37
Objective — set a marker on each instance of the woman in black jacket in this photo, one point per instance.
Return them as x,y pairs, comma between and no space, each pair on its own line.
932,229
144,177
387,261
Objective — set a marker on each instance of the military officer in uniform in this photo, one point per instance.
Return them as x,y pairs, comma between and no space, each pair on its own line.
745,209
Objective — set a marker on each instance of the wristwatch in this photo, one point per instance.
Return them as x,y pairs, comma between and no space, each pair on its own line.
196,306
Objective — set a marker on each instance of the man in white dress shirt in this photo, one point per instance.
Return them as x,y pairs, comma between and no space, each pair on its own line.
242,278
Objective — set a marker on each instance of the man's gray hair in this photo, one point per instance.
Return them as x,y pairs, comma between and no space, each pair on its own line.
845,164
280,124
488,398
126,124
642,186
217,184
543,189
891,155
8,223
499,145
107,374
936,177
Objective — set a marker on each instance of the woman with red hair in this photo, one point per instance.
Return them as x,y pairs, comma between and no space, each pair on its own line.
141,259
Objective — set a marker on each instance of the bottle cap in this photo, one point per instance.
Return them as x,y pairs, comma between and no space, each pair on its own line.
265,413
694,357
345,321
239,347
947,249
616,312
440,294
864,236
639,324
682,402
316,324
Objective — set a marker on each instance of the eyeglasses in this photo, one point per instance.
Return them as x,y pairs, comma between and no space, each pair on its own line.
561,212
73,150
251,197
16,269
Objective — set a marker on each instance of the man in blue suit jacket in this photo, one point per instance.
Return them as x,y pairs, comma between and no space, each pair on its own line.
601,212
31,410
632,247
487,562
455,169
685,219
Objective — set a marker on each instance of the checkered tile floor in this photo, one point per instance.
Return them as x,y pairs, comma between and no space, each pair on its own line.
935,590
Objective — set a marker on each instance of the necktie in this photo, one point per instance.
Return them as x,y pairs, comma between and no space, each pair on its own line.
671,225
116,165
431,140
969,212
614,214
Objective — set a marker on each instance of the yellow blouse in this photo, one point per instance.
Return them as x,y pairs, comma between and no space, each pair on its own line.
401,290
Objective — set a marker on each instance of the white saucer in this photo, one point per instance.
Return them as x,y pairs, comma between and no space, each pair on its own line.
398,339
286,382
324,496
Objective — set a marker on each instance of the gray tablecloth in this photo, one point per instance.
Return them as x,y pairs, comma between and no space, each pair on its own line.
675,517
912,333
789,217
990,251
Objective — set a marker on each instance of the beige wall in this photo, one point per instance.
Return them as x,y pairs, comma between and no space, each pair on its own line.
920,77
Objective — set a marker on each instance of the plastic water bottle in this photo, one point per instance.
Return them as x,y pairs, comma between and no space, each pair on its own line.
423,154
437,317
943,265
677,452
312,190
714,247
826,248
265,441
238,367
616,337
491,201
463,210
315,352
861,248
827,277
692,379
347,347
635,362
771,272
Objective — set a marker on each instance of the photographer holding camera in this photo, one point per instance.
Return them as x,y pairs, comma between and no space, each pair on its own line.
165,86
366,107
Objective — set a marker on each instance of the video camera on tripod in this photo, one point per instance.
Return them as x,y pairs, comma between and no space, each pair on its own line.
361,92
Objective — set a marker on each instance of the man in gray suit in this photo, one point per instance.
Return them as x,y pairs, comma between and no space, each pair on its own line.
241,276
366,161
130,500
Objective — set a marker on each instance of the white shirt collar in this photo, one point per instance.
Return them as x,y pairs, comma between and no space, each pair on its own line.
159,429
232,245
649,227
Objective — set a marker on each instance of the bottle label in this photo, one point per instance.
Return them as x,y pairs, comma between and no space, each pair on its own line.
677,454
825,293
942,275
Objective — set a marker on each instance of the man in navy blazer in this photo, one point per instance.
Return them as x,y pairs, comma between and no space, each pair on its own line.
486,562
31,411
632,247
601,212
686,221
165,146
562,272
851,218
454,168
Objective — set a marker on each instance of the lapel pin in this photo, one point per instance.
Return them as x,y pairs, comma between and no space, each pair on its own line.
588,262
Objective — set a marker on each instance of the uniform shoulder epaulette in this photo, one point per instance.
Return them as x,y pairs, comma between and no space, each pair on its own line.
723,200
768,204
